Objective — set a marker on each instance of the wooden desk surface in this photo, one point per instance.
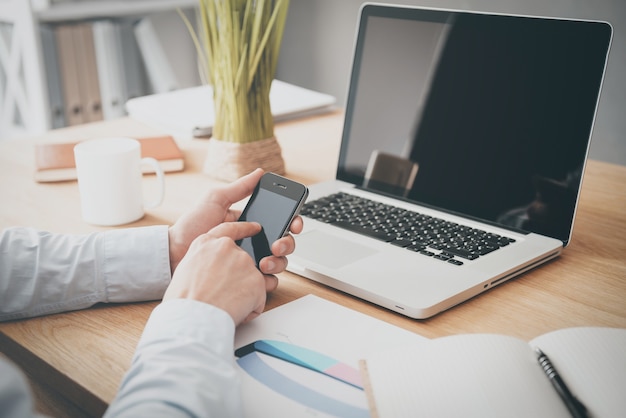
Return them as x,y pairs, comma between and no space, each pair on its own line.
80,357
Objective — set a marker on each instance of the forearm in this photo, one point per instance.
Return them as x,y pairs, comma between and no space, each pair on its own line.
183,365
43,273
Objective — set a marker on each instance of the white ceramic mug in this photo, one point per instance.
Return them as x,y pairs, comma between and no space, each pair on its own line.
109,180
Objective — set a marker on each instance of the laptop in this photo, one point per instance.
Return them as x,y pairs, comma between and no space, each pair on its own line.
462,155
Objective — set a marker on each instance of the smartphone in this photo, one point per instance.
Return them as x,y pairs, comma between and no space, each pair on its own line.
274,203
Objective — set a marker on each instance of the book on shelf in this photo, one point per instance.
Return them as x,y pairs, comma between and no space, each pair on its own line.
53,76
107,44
160,72
134,70
100,67
87,72
79,73
120,67
482,375
74,111
54,161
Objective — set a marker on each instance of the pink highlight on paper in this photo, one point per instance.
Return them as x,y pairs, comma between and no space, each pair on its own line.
346,373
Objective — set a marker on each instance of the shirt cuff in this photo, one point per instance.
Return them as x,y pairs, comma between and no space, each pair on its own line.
188,319
136,263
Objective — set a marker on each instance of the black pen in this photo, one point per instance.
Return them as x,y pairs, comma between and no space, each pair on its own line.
576,408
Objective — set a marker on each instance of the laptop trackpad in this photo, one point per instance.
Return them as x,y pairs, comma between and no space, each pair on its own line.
330,250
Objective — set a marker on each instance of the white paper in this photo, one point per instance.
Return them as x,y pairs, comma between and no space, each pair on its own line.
484,375
329,329
463,375
592,362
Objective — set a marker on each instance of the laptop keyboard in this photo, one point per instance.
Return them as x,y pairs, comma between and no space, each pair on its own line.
430,236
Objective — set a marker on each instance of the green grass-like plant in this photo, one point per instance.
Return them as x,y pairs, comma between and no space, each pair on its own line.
238,44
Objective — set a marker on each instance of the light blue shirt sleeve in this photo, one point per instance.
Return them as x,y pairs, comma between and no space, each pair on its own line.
184,363
183,366
15,397
43,273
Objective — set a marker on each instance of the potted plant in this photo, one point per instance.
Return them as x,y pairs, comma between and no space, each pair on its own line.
238,42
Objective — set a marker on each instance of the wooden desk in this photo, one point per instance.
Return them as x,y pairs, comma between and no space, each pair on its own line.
77,359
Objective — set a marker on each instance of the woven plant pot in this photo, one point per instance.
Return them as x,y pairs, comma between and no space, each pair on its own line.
228,161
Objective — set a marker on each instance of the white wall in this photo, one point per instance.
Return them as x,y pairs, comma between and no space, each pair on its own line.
319,34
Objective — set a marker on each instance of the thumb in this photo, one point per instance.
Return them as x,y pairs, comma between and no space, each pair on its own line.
241,188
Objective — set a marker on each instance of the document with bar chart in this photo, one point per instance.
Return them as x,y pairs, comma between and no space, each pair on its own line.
301,359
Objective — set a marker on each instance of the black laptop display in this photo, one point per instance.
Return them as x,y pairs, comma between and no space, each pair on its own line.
479,114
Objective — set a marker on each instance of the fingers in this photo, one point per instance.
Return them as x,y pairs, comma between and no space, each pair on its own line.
277,262
271,283
287,244
273,265
232,215
213,209
241,188
296,225
269,265
281,248
217,272
284,246
235,230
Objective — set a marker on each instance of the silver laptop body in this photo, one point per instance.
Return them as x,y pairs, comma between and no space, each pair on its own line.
479,121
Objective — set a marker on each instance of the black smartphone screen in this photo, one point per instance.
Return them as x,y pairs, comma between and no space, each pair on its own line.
273,211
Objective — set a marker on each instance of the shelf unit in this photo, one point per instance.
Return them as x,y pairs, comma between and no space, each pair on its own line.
24,102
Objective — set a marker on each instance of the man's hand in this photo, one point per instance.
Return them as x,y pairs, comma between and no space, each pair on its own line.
214,209
218,272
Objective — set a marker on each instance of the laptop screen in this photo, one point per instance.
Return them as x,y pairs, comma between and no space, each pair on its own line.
489,116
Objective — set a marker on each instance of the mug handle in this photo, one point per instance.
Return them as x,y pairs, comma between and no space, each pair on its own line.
161,179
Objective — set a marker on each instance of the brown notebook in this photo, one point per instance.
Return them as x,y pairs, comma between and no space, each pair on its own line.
55,161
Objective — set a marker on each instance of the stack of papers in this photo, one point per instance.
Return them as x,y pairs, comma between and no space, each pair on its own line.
190,112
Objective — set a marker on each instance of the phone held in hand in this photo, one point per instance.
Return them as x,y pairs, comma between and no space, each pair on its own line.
274,203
